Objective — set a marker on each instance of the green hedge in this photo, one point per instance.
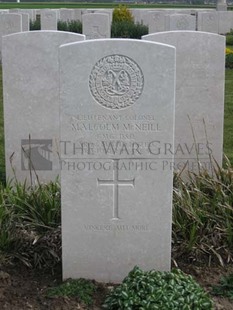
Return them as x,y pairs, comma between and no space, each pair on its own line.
34,24
229,61
125,29
229,39
71,26
128,30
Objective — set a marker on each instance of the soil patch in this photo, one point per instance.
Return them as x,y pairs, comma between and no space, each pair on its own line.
23,289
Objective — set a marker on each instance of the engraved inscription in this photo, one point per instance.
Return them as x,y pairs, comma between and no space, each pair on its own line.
95,33
116,183
116,82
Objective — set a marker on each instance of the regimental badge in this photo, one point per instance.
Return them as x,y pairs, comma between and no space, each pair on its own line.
116,82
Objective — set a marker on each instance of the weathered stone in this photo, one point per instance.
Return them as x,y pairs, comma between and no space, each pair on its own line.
200,61
31,103
117,110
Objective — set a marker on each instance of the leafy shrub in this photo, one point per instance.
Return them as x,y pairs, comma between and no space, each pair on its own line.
225,288
158,290
71,26
34,24
228,51
38,207
30,220
122,14
229,39
40,251
203,216
128,30
7,225
81,288
229,58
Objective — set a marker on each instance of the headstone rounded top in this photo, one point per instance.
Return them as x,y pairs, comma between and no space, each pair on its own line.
116,81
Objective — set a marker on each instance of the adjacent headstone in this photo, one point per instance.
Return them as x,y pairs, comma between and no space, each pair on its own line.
139,16
117,110
180,22
96,26
109,12
67,15
78,14
9,23
183,11
31,103
225,22
30,12
200,60
4,11
221,5
156,21
25,22
207,22
48,19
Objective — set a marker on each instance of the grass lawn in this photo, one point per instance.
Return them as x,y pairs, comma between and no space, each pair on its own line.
228,118
2,157
228,121
84,5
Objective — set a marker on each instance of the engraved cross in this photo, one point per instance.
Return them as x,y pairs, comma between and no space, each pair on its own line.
115,182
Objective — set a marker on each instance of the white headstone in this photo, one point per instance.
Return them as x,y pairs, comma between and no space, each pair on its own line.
67,15
25,21
156,21
30,12
138,15
200,59
221,5
9,23
107,11
78,14
48,19
207,22
225,22
117,111
180,22
4,11
31,103
183,11
96,26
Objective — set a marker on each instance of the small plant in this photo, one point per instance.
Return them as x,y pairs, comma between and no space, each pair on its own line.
123,25
7,228
229,58
229,39
122,14
225,288
81,288
128,30
35,24
30,223
202,216
71,26
158,290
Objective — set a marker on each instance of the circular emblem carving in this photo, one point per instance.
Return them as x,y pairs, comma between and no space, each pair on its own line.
116,81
